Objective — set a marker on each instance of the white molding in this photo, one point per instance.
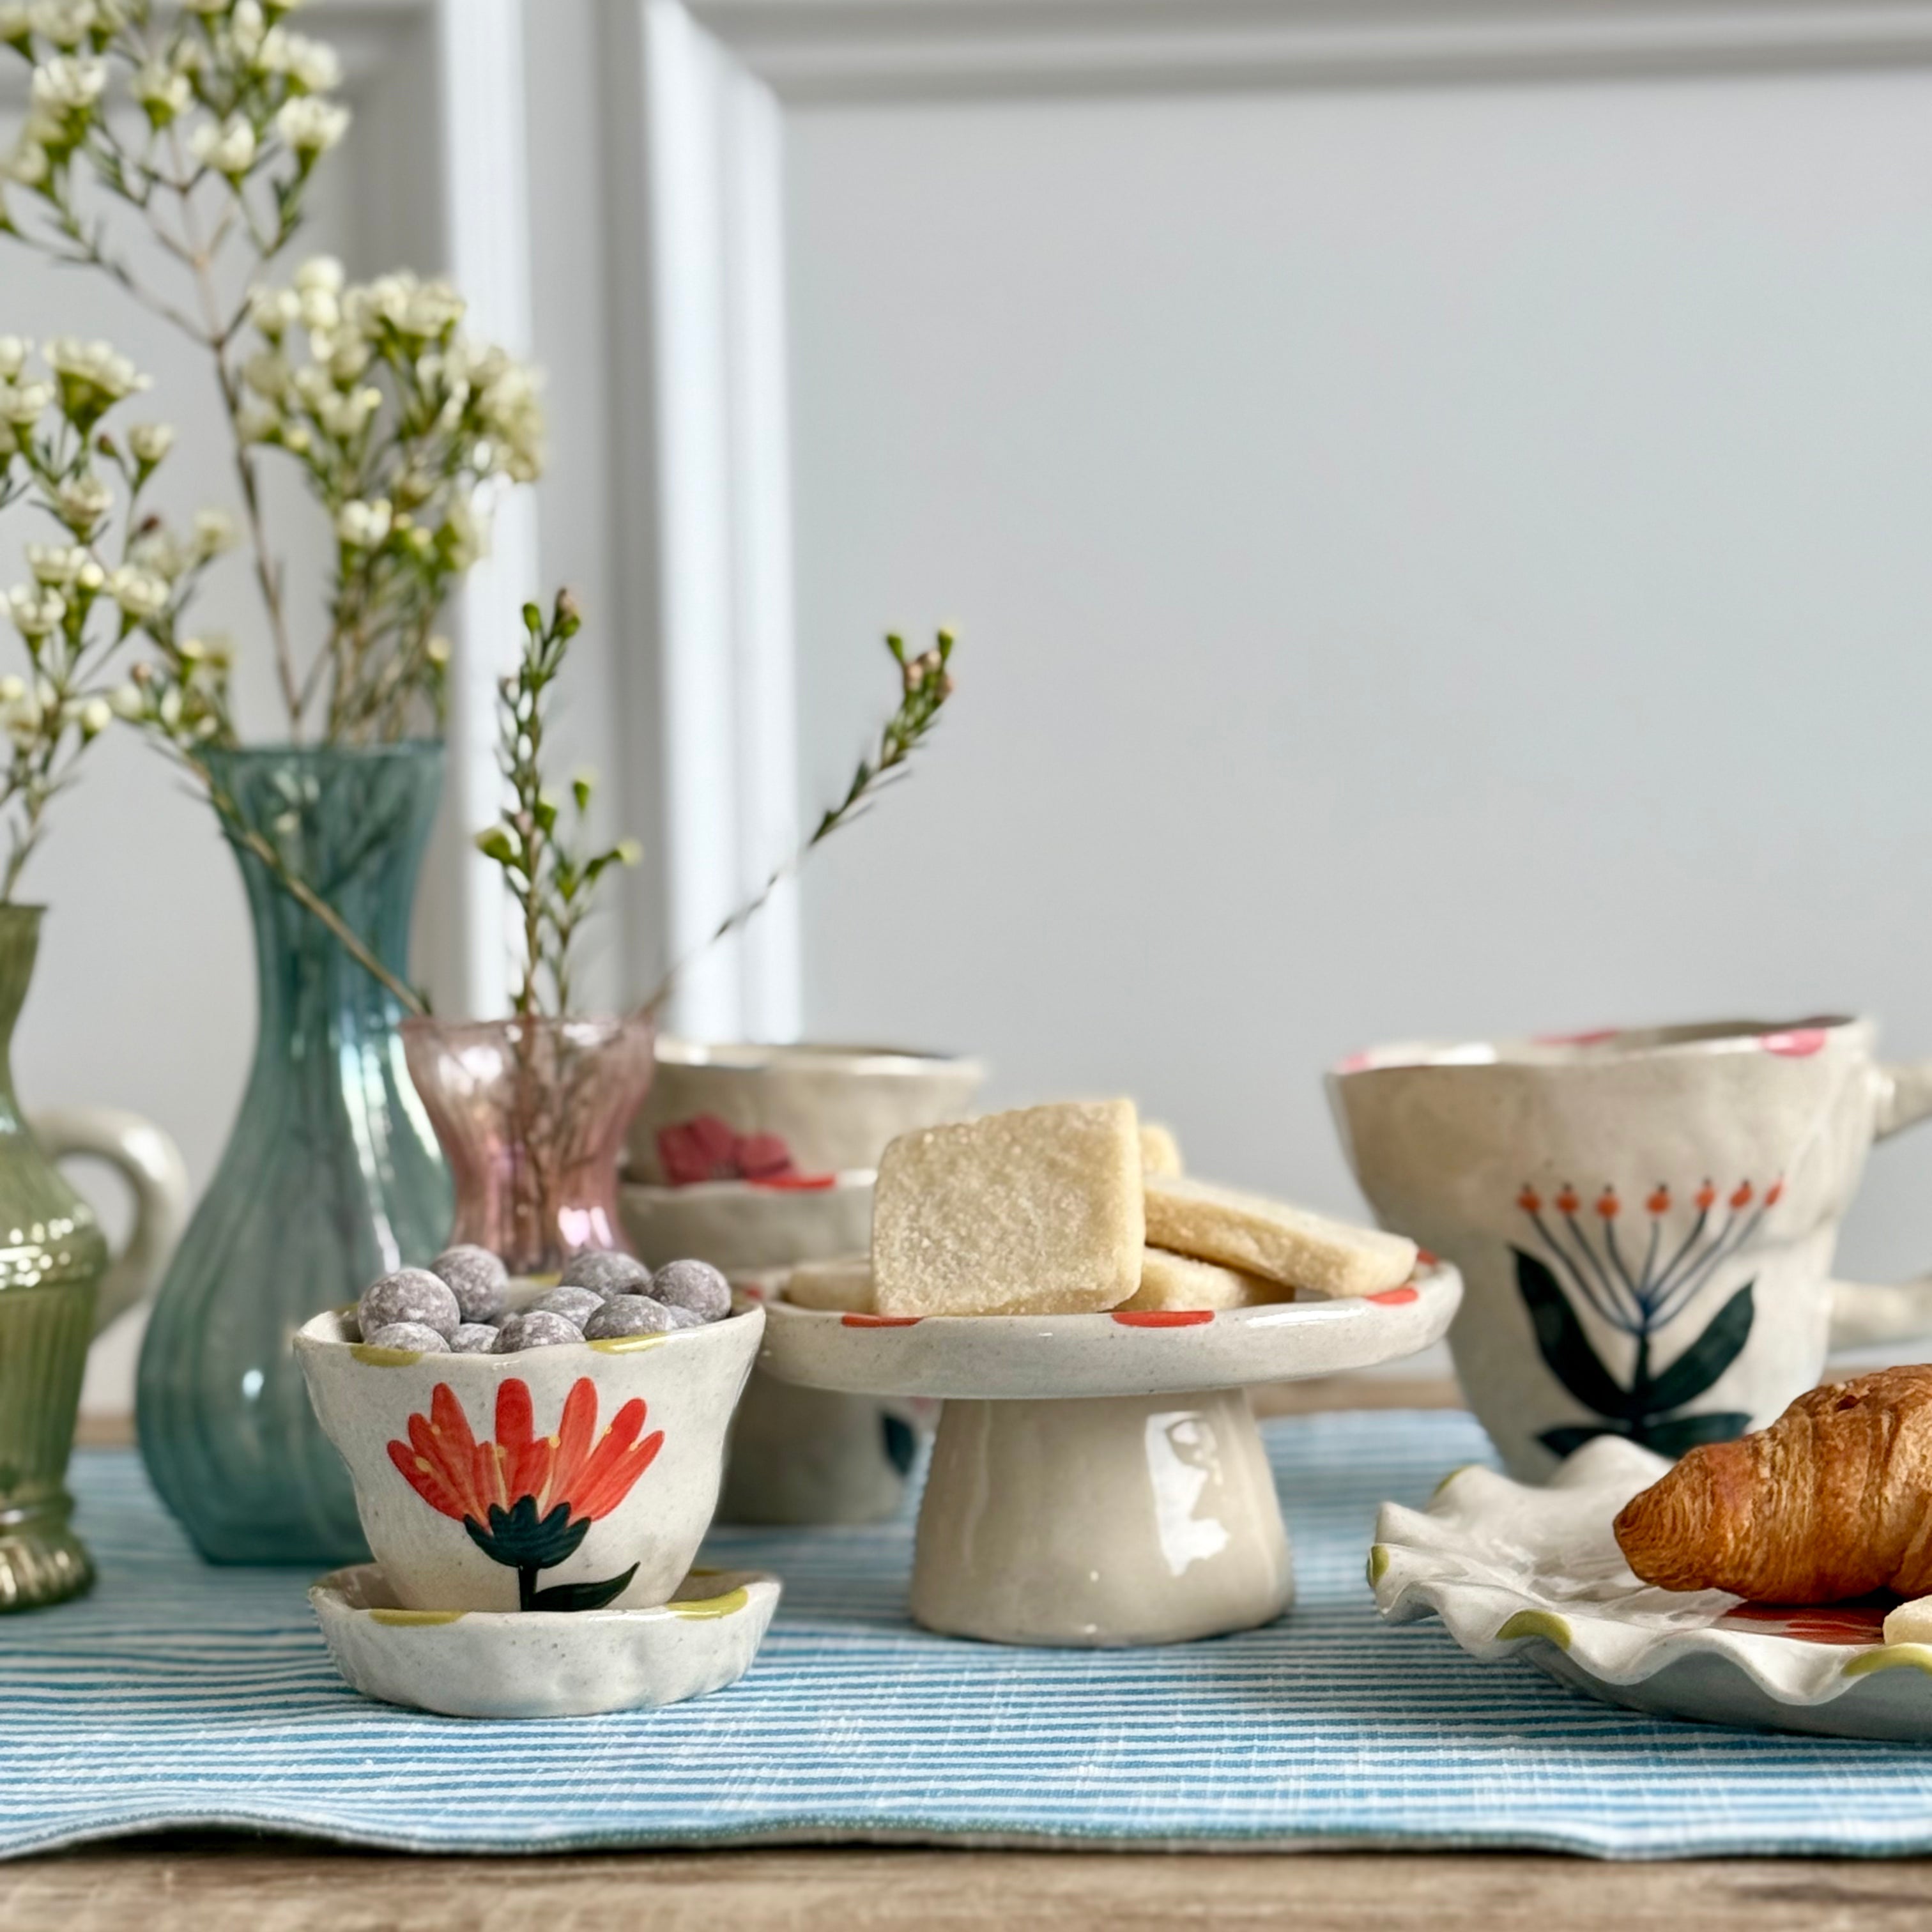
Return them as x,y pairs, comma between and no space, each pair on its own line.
697,93
897,49
700,191
487,244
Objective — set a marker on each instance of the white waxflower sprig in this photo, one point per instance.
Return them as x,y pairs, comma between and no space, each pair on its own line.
84,598
404,426
206,120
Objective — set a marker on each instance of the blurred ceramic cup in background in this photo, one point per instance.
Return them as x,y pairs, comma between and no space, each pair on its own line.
1644,1219
755,1158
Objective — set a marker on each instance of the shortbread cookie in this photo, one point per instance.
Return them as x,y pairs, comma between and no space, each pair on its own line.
1160,1152
1292,1246
1033,1213
843,1286
1179,1281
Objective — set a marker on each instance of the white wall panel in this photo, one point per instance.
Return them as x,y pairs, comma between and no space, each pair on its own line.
1428,560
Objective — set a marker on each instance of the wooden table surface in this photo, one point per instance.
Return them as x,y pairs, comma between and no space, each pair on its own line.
211,1882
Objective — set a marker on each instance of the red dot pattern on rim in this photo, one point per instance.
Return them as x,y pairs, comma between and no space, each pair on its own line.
1795,1044
1590,1037
1162,1318
1393,1297
1424,1259
855,1320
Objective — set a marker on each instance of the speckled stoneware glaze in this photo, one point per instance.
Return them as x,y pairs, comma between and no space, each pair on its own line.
1099,1479
1516,1569
569,1479
1645,1220
742,1226
482,1664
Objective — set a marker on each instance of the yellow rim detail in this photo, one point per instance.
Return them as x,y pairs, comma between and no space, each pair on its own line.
384,1358
408,1619
1919,1656
1537,1623
1378,1562
629,1345
698,1608
1450,1477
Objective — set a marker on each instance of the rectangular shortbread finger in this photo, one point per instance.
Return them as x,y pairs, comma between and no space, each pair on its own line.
1179,1281
1036,1212
1293,1246
843,1286
1160,1152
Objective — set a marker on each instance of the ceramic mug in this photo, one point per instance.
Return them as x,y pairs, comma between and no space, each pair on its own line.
740,1111
1644,1219
577,1477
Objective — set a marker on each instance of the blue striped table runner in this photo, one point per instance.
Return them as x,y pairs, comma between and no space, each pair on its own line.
180,1696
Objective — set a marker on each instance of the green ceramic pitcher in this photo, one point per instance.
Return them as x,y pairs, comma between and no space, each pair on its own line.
58,1288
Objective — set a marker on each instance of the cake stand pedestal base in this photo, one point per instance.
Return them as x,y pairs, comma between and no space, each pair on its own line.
1100,1520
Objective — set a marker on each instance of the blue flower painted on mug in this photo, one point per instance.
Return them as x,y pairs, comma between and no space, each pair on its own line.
1634,1284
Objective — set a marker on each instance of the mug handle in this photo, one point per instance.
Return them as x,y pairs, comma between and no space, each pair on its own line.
1866,1314
151,1164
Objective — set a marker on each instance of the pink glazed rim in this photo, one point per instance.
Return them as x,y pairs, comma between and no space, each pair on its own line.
1791,1040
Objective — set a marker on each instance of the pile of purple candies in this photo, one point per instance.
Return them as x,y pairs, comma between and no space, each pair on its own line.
457,1305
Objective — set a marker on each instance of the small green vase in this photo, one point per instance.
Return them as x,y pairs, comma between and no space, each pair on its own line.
331,1175
53,1255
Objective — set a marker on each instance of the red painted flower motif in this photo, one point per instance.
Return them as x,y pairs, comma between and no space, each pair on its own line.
527,1501
706,1148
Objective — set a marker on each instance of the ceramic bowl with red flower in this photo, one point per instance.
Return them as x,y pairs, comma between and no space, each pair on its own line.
578,1477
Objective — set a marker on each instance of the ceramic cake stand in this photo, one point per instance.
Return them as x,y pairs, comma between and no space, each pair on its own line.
1099,1479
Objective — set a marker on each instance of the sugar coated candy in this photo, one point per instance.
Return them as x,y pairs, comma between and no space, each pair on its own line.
475,1277
1035,1212
576,1305
695,1286
605,1272
413,1335
410,1294
628,1315
473,1338
534,1328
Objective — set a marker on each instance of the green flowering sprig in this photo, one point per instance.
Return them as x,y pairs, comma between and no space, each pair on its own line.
92,590
925,682
552,872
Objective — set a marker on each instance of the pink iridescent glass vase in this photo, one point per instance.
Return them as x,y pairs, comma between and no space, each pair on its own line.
531,1114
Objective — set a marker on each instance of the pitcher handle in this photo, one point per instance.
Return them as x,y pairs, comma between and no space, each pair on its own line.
151,1164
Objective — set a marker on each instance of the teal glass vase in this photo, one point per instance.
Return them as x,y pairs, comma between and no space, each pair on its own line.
331,1175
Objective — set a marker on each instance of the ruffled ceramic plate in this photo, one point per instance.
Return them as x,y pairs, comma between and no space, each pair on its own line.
544,1664
992,1357
1516,1571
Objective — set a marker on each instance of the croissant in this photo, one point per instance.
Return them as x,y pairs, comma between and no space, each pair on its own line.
1833,1500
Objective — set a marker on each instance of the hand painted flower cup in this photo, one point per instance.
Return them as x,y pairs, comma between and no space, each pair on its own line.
787,1115
1644,1220
580,1478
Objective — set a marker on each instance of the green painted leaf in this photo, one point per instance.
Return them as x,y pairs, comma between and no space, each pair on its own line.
582,1596
1563,1344
1706,1359
1674,1434
1571,1437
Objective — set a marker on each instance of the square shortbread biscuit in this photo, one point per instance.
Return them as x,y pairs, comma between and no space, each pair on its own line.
1033,1213
1179,1281
1160,1152
1292,1246
843,1286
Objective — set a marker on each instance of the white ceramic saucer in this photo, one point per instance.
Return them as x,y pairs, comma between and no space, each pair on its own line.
540,1663
1098,1479
1514,1569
